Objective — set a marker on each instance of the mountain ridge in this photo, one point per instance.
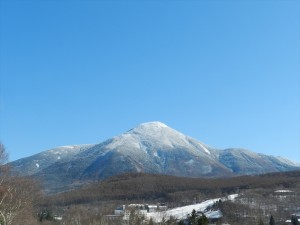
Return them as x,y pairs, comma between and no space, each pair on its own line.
148,148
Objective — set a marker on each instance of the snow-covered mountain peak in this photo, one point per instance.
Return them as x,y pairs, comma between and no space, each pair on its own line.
154,136
151,125
157,132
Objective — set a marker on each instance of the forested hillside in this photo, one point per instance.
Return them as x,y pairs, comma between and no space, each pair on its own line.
172,189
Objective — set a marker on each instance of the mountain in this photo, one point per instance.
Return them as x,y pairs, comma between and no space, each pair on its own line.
149,148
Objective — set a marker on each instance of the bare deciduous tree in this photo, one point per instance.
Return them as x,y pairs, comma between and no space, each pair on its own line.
3,160
17,194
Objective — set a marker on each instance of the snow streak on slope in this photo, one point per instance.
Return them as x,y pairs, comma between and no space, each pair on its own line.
182,212
205,149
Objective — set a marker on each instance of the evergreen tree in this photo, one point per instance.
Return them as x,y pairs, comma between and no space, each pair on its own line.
181,222
272,221
192,218
295,220
202,220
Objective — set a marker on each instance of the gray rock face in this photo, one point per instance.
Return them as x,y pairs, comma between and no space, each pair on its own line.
149,148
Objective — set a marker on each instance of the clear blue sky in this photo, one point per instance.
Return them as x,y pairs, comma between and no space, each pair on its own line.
78,72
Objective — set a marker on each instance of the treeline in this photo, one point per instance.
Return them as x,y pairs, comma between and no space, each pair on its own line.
150,187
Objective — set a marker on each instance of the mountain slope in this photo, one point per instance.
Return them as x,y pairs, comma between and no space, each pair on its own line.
33,164
242,161
149,148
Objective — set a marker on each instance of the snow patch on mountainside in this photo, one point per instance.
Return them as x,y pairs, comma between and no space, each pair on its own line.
190,162
155,154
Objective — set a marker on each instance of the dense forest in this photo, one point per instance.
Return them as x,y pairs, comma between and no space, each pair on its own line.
171,189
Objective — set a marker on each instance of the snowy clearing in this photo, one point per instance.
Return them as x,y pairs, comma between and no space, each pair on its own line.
182,212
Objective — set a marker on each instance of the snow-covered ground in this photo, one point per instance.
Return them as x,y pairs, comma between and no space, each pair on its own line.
182,212
289,221
283,191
